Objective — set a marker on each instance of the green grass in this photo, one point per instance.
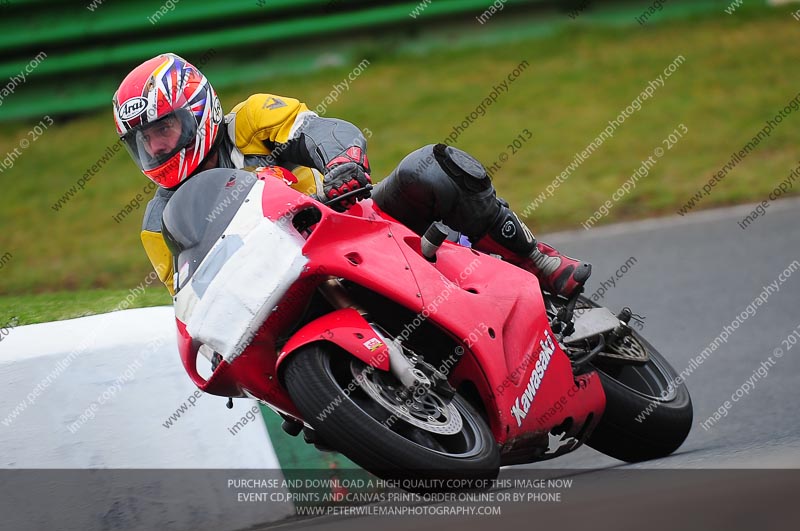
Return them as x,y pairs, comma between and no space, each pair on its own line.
45,307
737,74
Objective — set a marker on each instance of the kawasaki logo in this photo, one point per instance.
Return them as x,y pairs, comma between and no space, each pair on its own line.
520,411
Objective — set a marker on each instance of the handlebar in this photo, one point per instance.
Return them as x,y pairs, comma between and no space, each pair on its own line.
365,191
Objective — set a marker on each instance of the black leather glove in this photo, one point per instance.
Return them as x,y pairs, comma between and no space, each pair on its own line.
347,172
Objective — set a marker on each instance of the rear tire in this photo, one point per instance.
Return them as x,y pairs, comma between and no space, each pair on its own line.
356,425
647,416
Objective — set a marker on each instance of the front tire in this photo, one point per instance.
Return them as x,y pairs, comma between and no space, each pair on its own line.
320,381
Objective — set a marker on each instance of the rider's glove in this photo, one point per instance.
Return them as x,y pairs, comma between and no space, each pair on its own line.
347,172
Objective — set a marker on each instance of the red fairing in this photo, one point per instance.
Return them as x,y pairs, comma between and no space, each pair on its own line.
492,309
188,354
503,325
347,329
219,383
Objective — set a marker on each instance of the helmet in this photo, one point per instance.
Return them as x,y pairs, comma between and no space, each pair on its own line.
168,117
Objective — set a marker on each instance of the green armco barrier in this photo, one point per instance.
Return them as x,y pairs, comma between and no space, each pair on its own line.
88,51
74,21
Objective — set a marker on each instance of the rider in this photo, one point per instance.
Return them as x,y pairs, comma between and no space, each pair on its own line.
172,123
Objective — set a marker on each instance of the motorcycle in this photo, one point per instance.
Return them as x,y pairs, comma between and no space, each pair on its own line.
414,356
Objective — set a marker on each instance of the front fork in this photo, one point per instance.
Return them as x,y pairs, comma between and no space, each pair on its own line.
403,367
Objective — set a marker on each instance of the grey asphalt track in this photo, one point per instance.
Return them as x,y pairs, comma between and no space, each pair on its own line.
692,277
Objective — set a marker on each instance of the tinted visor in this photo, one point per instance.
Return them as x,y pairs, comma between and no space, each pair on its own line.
153,144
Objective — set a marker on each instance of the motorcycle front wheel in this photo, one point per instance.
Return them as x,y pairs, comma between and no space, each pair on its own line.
356,411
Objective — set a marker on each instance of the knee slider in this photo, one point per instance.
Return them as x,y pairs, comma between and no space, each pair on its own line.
462,168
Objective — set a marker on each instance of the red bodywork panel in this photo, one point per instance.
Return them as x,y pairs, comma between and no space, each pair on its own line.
347,329
493,309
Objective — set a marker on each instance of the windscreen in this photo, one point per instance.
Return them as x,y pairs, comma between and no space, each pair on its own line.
199,213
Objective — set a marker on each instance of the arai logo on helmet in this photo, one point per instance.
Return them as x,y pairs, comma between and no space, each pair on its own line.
132,108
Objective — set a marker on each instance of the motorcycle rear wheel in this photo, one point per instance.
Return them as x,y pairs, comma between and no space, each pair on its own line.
320,381
648,414
644,418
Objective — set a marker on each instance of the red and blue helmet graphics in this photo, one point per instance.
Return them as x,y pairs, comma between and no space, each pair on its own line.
168,116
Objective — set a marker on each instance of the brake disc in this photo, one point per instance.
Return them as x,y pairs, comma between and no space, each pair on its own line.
424,409
628,350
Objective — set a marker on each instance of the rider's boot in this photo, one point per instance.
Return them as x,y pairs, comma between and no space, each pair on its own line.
510,238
